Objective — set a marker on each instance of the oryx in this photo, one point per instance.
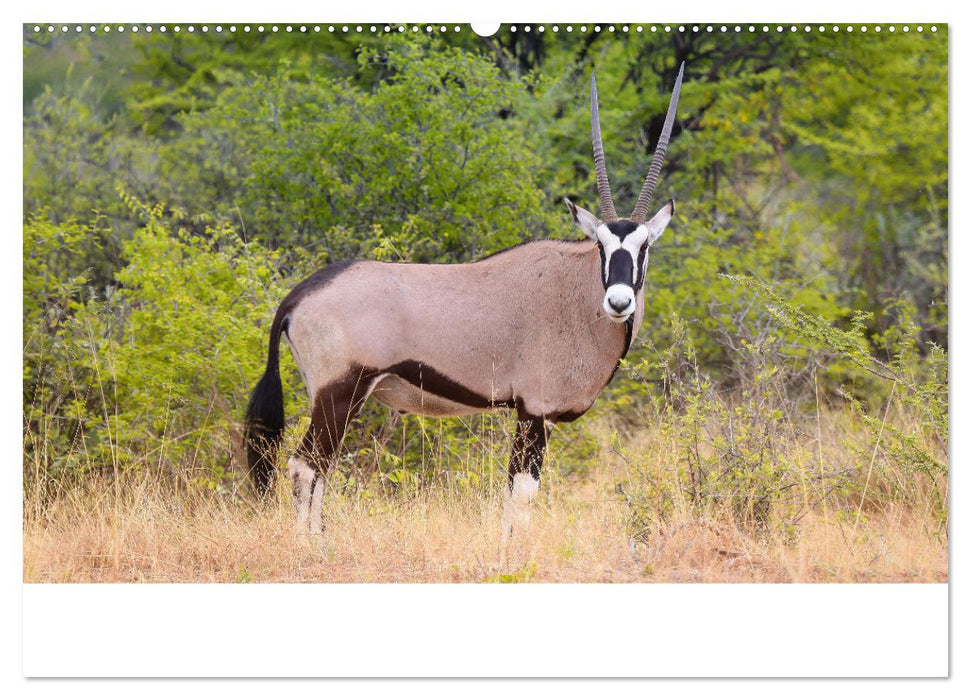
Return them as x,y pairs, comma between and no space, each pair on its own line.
540,328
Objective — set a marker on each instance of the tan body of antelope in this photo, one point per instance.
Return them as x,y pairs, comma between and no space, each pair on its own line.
539,328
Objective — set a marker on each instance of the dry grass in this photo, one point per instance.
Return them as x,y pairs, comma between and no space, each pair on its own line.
142,533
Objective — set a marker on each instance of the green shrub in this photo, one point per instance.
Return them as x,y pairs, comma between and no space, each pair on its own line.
75,162
155,370
751,448
316,163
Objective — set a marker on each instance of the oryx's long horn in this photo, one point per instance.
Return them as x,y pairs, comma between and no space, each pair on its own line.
650,182
607,210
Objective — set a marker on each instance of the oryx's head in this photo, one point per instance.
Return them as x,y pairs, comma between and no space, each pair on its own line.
624,243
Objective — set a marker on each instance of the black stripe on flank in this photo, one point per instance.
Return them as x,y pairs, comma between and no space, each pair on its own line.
567,416
430,380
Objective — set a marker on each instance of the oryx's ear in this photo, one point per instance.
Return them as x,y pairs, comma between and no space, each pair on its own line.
587,222
656,226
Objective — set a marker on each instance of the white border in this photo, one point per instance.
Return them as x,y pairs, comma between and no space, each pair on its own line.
445,625
544,630
543,11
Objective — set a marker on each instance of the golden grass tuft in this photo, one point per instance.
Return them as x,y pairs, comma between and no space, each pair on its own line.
143,532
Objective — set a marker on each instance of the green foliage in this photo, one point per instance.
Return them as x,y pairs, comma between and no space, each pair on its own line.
872,123
741,450
75,161
54,288
52,60
924,381
153,372
54,272
921,447
321,163
180,73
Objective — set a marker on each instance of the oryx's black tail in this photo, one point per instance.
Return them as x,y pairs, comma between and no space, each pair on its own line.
264,414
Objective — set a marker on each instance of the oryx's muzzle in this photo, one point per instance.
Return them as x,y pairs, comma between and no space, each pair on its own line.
619,302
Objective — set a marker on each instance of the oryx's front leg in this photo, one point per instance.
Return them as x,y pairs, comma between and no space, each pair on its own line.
528,450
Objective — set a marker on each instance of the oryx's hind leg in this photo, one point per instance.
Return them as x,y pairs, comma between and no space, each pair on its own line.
528,450
334,407
306,480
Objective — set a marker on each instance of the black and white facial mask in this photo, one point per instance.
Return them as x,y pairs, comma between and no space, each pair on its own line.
624,248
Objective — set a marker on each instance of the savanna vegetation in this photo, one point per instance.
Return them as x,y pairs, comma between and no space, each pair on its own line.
782,415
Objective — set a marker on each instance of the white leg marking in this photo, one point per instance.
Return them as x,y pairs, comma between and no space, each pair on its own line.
515,511
302,475
317,508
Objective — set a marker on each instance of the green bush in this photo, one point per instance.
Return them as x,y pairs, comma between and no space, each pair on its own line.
316,163
76,160
751,448
154,371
